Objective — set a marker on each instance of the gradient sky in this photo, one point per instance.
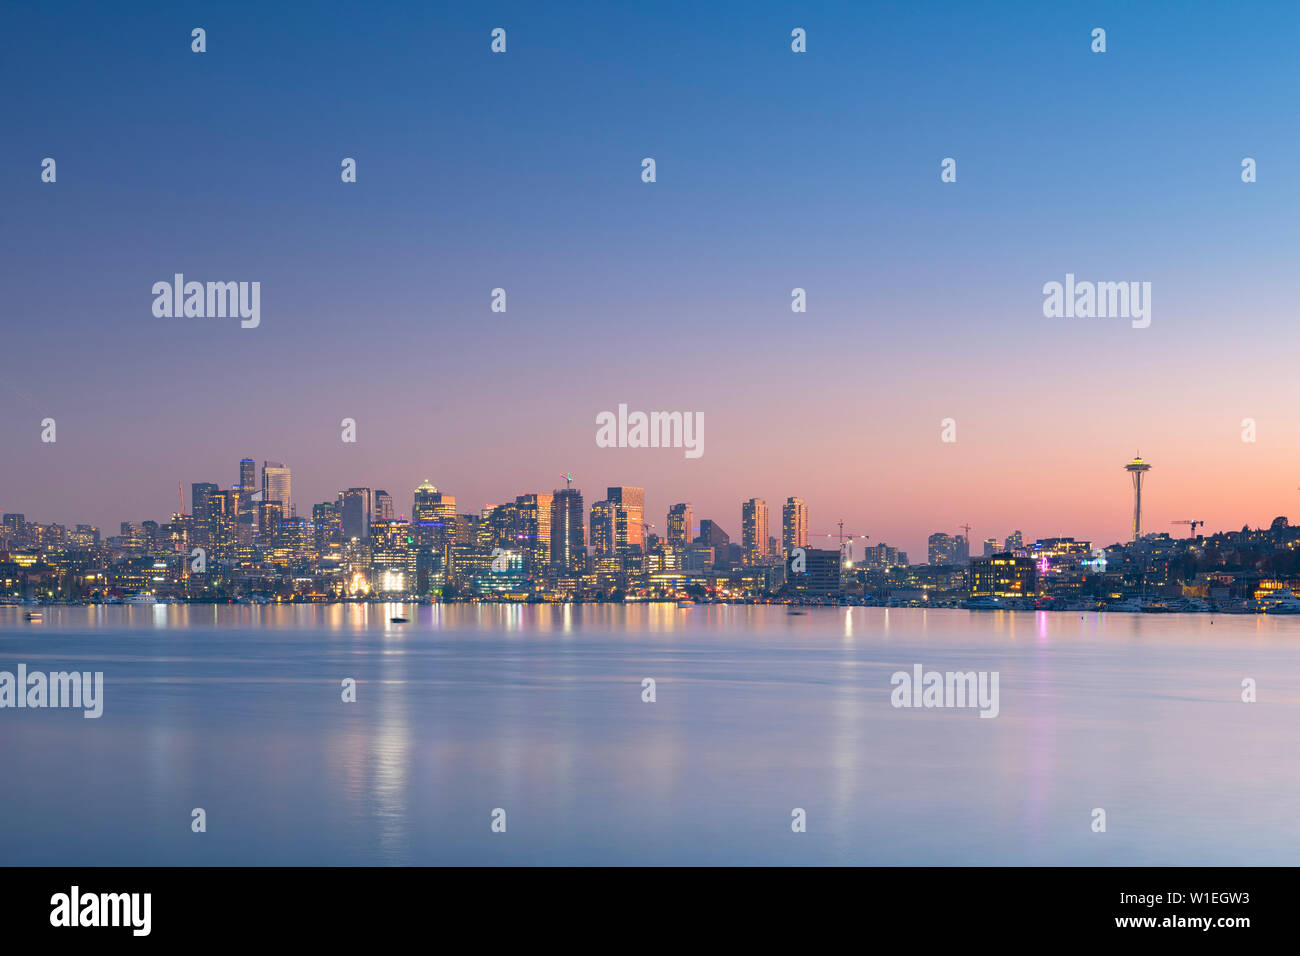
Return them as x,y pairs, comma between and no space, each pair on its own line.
775,170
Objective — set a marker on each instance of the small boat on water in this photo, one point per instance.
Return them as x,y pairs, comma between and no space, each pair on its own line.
142,598
686,602
397,620
34,616
1157,607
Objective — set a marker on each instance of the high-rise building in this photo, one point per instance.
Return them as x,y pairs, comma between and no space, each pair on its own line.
991,547
498,526
201,513
680,519
383,510
794,524
1015,542
327,525
753,530
356,513
946,549
247,482
433,517
223,509
632,502
534,530
607,520
568,543
276,485
270,516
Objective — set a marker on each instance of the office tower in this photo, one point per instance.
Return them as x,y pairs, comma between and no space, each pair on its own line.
200,492
433,517
568,542
1015,541
534,530
632,502
356,513
1138,469
794,524
960,549
276,485
681,518
991,547
753,530
247,482
383,510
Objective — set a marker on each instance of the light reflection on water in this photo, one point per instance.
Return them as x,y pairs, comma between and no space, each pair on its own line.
537,709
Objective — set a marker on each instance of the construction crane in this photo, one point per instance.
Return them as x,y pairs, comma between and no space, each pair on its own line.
843,536
1194,525
966,528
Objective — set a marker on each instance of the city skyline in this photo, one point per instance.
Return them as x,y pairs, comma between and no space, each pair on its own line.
792,512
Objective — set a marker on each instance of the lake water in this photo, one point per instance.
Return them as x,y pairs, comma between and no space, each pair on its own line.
538,710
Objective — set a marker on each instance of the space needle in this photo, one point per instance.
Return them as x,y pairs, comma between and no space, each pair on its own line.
1138,469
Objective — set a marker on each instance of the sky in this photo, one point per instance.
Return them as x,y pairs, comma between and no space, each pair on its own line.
775,170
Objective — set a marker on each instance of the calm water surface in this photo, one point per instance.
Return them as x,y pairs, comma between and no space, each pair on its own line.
538,710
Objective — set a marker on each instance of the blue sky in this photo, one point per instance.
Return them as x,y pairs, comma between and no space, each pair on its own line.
775,170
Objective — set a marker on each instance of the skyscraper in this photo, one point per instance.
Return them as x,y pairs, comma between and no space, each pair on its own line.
753,530
632,501
200,512
247,482
356,513
794,524
568,543
433,516
383,510
534,531
276,485
608,528
680,520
